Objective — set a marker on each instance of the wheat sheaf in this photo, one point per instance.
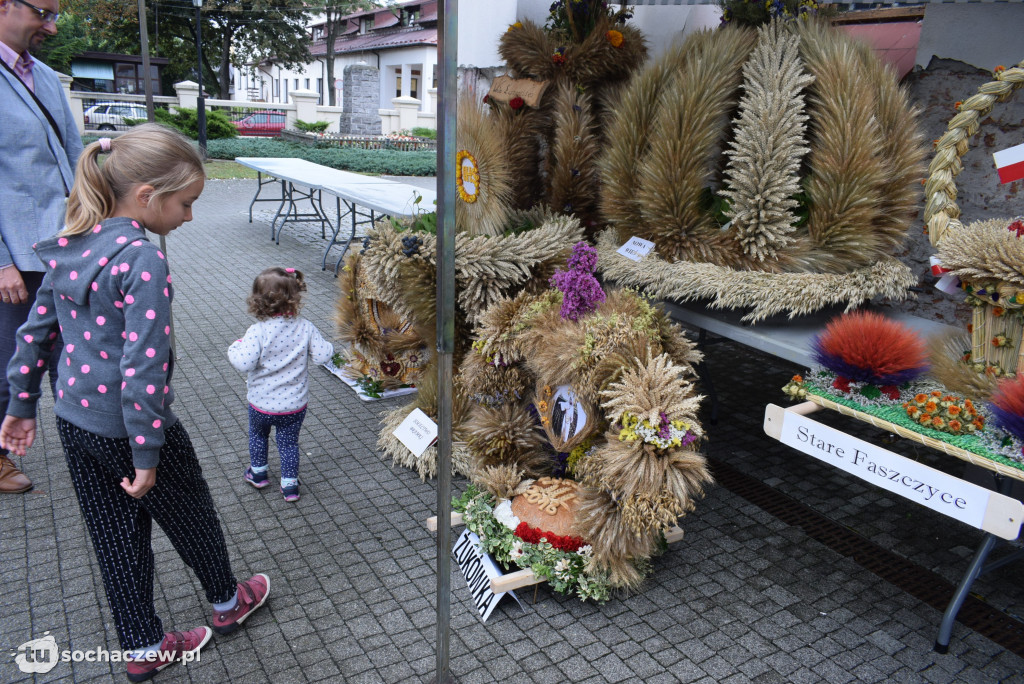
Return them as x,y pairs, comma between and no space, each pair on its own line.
776,169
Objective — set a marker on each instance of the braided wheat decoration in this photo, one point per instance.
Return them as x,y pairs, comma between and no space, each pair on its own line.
941,212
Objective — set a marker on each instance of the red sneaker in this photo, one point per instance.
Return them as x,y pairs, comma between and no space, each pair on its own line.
183,646
251,595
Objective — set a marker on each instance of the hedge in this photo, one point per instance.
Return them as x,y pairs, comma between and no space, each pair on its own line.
390,162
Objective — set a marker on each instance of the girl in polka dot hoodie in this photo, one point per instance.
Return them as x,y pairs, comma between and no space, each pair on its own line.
107,292
275,352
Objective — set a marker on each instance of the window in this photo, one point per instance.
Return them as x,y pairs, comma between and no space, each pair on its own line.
284,89
414,84
276,118
307,84
320,89
277,88
410,17
295,84
366,24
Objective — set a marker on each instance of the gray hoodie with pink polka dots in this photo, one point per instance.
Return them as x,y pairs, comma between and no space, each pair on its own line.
109,294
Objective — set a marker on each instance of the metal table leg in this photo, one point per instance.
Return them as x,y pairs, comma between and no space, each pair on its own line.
1004,485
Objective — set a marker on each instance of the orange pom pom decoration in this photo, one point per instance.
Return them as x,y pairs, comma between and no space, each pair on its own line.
867,347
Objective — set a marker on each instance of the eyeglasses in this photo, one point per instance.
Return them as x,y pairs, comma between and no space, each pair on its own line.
45,16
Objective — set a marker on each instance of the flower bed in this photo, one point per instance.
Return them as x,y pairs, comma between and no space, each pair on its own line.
393,141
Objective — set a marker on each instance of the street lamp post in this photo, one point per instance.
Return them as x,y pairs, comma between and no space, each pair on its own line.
201,102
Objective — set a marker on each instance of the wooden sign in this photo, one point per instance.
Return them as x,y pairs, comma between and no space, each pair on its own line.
479,569
636,249
417,432
967,502
505,88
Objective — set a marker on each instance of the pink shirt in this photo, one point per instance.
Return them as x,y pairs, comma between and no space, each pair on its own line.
11,58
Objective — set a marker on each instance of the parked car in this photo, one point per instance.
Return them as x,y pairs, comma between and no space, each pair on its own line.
262,122
108,116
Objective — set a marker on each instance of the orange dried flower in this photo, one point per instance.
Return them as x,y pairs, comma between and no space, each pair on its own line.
925,419
920,398
955,425
615,38
798,379
957,104
953,410
999,69
931,407
936,393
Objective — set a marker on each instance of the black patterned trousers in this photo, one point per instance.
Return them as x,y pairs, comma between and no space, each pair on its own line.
120,526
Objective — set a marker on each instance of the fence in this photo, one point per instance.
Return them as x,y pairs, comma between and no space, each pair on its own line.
110,112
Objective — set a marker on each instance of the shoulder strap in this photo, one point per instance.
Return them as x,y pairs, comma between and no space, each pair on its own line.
46,112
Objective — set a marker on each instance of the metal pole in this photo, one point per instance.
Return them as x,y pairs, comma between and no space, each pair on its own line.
201,102
448,38
144,44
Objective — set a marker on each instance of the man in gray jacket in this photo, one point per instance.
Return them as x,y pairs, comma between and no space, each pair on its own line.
39,147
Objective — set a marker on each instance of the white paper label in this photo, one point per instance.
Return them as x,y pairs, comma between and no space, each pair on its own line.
479,569
417,432
636,248
931,488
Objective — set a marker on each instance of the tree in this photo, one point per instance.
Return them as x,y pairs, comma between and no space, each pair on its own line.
333,11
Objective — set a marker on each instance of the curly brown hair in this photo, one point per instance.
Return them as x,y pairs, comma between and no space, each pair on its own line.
276,292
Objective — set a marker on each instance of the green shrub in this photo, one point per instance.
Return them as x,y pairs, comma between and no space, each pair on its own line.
421,132
218,125
389,162
312,126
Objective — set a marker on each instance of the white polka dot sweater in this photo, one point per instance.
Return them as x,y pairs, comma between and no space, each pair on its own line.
275,353
108,293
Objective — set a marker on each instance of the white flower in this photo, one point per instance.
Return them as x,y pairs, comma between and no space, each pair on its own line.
503,514
585,550
517,550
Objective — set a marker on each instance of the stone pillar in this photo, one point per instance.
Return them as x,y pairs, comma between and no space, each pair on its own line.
73,102
360,101
188,94
305,106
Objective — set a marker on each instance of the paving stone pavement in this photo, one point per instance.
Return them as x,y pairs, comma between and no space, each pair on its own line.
743,598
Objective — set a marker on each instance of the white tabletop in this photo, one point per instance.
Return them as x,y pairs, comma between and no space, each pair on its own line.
780,336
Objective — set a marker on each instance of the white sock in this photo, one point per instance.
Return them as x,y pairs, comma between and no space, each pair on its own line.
289,482
258,471
227,605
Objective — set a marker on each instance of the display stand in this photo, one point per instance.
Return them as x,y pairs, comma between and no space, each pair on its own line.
526,577
997,514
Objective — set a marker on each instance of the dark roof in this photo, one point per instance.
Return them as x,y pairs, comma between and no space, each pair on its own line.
416,35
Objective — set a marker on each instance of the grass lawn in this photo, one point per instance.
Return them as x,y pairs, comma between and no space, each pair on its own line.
221,168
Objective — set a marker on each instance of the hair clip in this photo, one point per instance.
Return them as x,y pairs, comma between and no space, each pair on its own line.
289,270
104,144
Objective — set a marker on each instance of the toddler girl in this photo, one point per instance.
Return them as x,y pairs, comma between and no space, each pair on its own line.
108,289
275,353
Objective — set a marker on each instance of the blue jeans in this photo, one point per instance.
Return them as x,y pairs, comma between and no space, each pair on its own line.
286,434
12,316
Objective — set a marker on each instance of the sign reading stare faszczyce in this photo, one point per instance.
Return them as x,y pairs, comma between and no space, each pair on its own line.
929,487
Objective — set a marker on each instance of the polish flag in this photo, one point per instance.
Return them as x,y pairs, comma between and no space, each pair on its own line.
1010,164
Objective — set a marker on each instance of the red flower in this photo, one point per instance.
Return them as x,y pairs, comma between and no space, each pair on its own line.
487,99
534,536
842,384
1016,227
891,391
516,103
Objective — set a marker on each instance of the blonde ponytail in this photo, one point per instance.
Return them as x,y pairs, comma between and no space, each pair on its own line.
149,154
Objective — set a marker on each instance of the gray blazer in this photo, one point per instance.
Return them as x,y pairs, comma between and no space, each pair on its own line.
36,171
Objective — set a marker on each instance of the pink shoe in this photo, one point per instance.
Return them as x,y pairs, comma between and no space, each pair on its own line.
183,646
251,595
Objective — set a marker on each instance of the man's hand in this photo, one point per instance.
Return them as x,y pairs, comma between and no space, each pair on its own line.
145,478
12,286
17,434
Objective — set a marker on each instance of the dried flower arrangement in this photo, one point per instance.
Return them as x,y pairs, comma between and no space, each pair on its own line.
600,391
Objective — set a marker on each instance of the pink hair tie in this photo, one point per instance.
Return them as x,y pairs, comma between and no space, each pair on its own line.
289,270
104,144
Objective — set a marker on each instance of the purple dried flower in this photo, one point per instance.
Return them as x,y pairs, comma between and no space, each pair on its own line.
583,258
581,293
664,431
